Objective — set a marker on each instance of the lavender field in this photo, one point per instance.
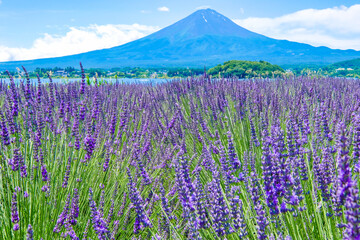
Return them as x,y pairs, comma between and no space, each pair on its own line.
189,159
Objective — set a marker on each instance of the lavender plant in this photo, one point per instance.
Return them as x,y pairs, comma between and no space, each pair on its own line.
195,158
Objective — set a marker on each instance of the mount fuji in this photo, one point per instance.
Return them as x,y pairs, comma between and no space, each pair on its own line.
204,38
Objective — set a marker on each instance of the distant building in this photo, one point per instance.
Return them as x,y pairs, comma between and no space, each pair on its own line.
343,69
61,73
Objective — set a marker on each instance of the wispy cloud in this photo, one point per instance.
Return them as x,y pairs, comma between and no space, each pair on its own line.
163,9
333,27
77,40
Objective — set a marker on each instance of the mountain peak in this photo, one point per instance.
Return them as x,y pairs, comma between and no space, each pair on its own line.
204,22
207,11
211,14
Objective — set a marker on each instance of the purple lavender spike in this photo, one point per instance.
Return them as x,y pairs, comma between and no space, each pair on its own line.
326,172
140,165
253,132
113,120
141,219
261,218
208,161
63,216
74,211
237,213
356,142
4,131
16,227
38,95
69,232
343,162
86,230
352,214
44,173
219,210
89,144
82,84
67,173
268,168
14,97
30,233
75,132
164,202
115,229
14,212
27,89
99,224
15,161
111,212
45,189
106,162
233,159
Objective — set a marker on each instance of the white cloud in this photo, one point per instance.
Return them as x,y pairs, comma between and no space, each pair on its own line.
163,9
332,27
77,40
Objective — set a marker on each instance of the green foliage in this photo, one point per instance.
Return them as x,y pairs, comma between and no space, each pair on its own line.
184,72
88,80
125,72
246,69
350,69
354,63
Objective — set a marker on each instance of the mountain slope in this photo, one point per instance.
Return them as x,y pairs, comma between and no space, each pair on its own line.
203,38
353,63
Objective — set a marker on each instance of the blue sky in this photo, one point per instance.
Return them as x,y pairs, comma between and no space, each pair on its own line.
37,28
